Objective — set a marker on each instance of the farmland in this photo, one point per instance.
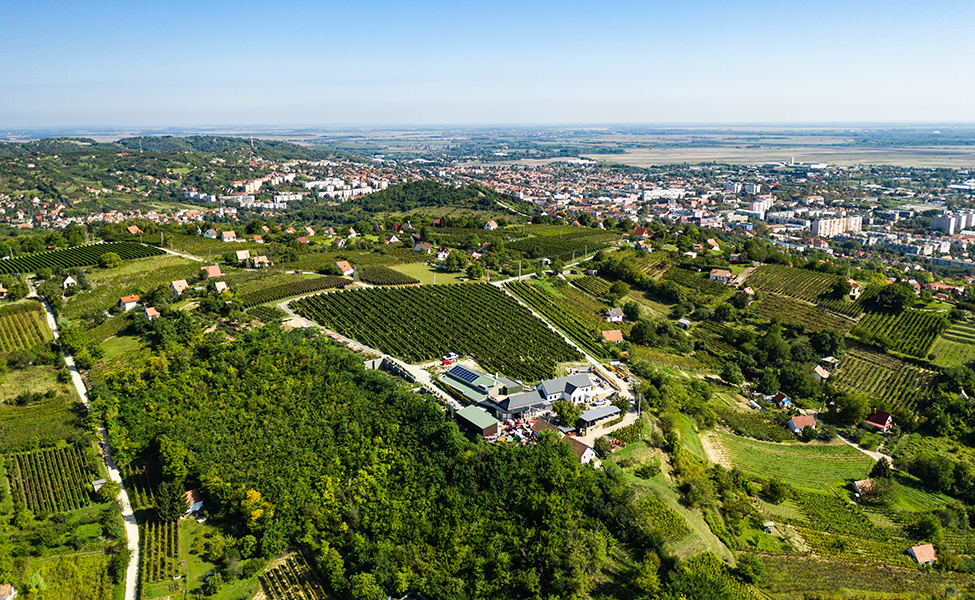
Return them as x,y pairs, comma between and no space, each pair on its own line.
791,310
810,466
419,324
593,285
79,256
297,288
882,376
563,248
380,275
50,480
292,579
81,576
811,286
40,423
909,332
22,325
955,346
697,282
160,550
562,314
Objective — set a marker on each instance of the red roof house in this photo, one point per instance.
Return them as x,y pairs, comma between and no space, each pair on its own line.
797,424
880,421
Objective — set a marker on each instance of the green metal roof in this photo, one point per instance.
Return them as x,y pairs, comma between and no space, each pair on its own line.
476,417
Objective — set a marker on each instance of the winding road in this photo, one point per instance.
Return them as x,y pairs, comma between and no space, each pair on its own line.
128,515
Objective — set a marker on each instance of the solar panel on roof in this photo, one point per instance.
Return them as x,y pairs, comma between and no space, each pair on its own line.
464,374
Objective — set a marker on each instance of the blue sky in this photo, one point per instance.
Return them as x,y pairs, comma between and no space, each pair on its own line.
214,62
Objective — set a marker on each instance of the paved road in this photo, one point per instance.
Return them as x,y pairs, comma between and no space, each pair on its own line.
128,515
175,253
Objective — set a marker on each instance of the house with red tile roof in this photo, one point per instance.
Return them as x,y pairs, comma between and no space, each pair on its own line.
128,302
212,271
924,554
797,424
880,421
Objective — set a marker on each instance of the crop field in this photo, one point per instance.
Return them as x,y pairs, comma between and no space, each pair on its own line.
882,376
37,424
140,482
810,466
380,275
697,282
292,579
559,248
955,347
910,332
791,310
297,288
419,324
22,325
713,336
267,314
82,576
593,285
790,576
662,518
79,256
563,314
803,284
50,480
661,358
160,550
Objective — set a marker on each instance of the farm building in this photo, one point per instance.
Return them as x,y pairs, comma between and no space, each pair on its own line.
595,416
194,501
220,286
228,236
151,312
128,302
179,286
261,261
720,275
3,291
577,388
258,239
391,239
133,230
309,231
516,406
424,247
476,386
855,289
212,271
98,484
303,240
862,486
490,226
614,336
344,267
477,420
820,373
924,554
243,255
797,424
614,315
211,234
68,281
880,421
585,454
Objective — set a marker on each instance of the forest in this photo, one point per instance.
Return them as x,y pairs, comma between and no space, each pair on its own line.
291,440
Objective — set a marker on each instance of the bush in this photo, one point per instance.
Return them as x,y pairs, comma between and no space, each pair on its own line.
649,469
776,490
750,568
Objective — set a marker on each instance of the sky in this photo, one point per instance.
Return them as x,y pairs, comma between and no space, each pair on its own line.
180,63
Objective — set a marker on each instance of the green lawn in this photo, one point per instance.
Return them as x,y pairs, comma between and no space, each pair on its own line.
812,466
426,274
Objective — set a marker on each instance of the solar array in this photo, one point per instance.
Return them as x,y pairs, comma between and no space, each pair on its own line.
464,374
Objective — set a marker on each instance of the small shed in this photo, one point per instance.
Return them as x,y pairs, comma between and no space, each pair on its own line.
7,591
477,420
924,554
194,501
595,416
98,484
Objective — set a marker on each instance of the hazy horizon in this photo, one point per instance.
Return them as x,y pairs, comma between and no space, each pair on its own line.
106,64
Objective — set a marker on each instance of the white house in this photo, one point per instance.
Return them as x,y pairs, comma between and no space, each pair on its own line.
194,501
797,424
179,286
128,302
7,592
68,281
490,226
585,453
577,388
243,255
211,234
720,275
345,268
614,315
228,236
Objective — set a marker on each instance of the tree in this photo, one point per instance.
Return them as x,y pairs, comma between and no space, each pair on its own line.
109,260
632,311
750,568
475,270
841,288
732,373
724,312
170,502
602,446
174,458
776,490
622,402
455,262
109,491
852,407
927,527
881,469
568,411
643,333
619,289
895,297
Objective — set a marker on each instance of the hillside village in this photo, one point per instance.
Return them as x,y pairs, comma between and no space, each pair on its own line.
754,379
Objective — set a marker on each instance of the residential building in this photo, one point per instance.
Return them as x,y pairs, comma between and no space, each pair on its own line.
614,336
344,267
820,373
924,554
614,315
179,286
490,226
720,275
243,255
577,388
797,424
128,302
228,236
212,271
68,281
831,227
880,421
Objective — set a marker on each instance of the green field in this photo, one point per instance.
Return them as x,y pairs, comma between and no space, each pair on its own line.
37,423
82,576
910,332
791,310
812,466
955,347
880,375
429,274
811,286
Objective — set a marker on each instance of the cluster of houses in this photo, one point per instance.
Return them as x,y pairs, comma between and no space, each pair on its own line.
498,403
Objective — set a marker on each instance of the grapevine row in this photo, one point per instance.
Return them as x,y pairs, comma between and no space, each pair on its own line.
559,316
50,480
285,290
79,256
